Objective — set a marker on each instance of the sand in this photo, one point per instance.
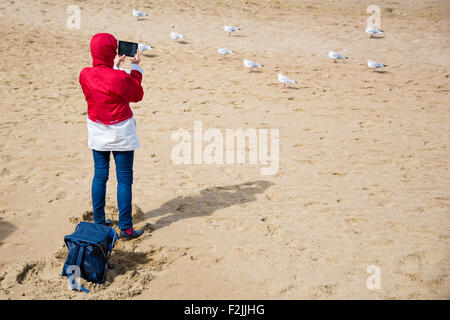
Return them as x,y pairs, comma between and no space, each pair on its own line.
364,156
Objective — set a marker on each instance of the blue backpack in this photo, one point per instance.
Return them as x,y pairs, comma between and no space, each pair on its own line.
90,247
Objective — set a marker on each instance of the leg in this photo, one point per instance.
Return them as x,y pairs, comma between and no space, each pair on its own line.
124,173
101,166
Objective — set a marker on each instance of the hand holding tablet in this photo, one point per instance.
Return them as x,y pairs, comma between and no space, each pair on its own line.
128,49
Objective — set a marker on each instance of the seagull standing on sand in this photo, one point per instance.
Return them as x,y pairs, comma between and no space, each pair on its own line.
373,31
251,64
285,80
230,29
176,36
224,52
144,47
375,65
336,56
138,14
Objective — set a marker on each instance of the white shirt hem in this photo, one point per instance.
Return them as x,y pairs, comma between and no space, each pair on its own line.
120,136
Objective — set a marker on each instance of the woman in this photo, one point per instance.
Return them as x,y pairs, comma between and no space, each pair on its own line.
111,126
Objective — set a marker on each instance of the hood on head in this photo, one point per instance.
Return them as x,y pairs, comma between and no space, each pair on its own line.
103,49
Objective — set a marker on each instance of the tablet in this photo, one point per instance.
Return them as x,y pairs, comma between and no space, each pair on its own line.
127,48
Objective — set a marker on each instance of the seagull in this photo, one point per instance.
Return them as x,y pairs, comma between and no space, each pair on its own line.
285,80
138,14
375,65
230,29
251,64
336,56
176,36
224,51
144,47
373,31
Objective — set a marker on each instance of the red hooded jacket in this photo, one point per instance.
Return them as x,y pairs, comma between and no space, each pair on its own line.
109,92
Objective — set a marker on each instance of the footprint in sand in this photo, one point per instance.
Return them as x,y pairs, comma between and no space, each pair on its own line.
4,172
206,259
411,265
225,223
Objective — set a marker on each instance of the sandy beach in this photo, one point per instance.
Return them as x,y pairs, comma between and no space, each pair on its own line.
363,177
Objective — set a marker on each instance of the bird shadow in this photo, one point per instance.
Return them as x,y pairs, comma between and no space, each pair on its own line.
256,71
381,71
151,55
205,203
238,36
377,38
183,42
6,229
292,88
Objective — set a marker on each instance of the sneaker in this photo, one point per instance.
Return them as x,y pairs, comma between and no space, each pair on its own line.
135,234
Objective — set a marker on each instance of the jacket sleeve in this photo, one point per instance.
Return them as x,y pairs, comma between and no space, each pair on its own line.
131,90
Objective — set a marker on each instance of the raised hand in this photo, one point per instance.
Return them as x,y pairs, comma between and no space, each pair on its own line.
118,60
136,59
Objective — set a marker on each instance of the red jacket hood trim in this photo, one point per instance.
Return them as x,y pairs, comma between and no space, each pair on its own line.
103,49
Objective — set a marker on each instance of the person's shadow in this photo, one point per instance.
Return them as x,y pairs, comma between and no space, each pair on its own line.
207,202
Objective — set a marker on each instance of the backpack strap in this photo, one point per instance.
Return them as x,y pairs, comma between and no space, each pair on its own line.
71,258
78,263
80,254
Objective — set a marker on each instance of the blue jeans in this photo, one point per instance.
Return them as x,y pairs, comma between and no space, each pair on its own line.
124,173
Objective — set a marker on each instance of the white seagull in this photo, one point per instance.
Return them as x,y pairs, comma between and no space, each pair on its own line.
251,64
375,65
224,51
230,29
336,56
373,31
138,14
176,36
144,47
285,80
